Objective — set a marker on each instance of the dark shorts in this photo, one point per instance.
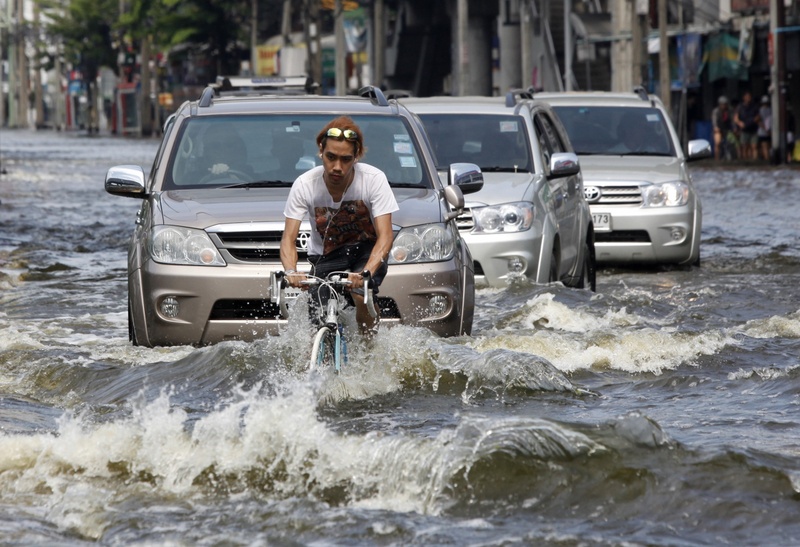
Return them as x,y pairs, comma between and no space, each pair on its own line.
748,138
350,258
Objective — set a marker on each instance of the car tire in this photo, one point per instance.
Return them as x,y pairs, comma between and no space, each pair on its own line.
588,279
553,275
131,329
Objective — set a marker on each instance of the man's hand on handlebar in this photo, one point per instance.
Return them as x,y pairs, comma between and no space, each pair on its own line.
295,279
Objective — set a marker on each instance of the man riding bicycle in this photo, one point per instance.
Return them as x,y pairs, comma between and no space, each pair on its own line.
350,205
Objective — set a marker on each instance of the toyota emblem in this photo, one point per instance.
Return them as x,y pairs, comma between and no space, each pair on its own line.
592,193
302,241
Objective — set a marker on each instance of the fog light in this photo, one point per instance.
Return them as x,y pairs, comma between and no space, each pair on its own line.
516,265
437,305
170,307
677,234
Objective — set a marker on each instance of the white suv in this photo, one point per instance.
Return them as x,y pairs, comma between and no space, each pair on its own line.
644,206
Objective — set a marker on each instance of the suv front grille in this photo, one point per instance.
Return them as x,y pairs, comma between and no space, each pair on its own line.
256,309
620,195
257,246
465,221
622,236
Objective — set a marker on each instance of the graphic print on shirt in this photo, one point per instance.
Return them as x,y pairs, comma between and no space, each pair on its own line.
347,225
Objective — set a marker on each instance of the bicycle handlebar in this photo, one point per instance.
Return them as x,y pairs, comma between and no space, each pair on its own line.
334,279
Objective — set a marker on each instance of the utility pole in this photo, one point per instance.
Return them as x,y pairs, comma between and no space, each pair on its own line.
23,101
463,50
777,19
313,41
638,10
37,69
146,117
663,57
567,46
253,37
341,50
379,43
526,43
4,30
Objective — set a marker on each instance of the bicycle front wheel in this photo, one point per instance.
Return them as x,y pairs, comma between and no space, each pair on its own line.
325,350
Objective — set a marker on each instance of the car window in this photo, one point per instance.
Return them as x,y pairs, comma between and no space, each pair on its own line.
493,142
214,151
613,130
545,144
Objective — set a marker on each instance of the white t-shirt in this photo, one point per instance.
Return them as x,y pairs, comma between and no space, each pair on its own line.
347,222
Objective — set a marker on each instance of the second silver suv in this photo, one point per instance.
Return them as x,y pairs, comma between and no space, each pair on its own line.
530,219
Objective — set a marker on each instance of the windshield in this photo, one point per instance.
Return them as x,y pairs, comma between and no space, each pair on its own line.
616,130
273,150
493,142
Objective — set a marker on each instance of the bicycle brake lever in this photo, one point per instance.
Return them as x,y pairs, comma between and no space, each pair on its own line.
367,276
277,282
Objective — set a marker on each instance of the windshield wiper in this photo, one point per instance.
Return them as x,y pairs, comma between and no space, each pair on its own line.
259,184
645,153
405,185
498,169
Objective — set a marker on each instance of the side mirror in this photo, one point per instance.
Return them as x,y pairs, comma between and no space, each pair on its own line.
455,197
126,180
698,149
467,176
564,164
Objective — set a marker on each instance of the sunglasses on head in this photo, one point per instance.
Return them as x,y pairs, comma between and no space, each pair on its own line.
348,134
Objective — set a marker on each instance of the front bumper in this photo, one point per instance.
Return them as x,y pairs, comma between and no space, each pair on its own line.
233,302
498,255
667,235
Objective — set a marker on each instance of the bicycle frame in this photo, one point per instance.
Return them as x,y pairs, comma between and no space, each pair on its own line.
330,345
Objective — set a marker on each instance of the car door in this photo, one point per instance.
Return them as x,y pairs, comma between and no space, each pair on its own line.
566,192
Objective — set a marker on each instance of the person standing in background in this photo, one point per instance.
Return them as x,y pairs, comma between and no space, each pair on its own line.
723,127
746,119
722,124
764,128
790,135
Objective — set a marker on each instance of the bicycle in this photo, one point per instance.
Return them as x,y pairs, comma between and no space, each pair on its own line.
330,345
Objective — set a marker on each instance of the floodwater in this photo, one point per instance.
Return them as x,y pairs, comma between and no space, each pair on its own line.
662,410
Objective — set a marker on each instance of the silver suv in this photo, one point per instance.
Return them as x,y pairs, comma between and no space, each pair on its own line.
530,219
636,180
208,232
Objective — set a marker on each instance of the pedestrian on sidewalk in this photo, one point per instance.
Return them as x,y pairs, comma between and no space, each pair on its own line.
746,119
764,128
722,124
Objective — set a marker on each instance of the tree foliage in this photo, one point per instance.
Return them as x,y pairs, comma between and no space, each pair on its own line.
85,28
93,32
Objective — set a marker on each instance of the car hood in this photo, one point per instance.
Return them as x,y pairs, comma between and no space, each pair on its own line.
202,208
503,188
655,169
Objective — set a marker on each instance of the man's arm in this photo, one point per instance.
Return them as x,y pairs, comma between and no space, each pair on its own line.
380,252
291,229
383,229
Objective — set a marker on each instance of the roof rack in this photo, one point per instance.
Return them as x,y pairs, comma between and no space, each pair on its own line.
511,96
375,95
206,97
257,85
642,92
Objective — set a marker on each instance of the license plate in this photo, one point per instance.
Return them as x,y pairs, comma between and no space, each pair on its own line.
291,293
602,222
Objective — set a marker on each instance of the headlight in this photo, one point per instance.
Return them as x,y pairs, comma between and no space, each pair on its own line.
426,243
668,194
509,217
177,245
